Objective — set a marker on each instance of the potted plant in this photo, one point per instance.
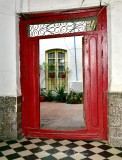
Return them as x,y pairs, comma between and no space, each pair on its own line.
50,67
65,72
42,95
74,98
51,70
49,96
60,94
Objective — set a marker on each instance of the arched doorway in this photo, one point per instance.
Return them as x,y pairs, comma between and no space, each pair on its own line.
95,70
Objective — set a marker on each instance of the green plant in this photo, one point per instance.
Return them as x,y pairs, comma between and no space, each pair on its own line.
43,66
60,94
51,70
51,67
74,98
49,96
43,92
42,95
65,72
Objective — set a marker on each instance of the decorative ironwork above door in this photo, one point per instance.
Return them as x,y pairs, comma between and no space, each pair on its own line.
70,26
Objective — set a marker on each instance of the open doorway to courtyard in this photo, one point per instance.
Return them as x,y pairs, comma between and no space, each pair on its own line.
61,83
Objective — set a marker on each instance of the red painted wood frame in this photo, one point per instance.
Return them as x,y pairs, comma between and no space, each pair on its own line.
95,75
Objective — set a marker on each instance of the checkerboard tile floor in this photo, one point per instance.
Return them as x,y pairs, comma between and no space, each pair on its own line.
57,149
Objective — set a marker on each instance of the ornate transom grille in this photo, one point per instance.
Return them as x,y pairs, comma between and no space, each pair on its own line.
72,26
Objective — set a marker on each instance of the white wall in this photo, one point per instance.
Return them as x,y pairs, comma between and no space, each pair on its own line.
7,55
7,7
9,47
116,46
17,37
49,5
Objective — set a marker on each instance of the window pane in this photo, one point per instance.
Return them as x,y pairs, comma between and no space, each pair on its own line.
60,55
61,68
51,61
51,55
59,75
61,62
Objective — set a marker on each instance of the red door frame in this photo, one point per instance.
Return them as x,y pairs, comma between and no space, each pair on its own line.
95,100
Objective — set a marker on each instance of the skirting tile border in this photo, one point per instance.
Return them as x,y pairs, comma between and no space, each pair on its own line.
115,119
10,117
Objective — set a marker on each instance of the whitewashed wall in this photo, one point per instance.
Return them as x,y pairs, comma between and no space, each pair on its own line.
9,48
49,5
116,46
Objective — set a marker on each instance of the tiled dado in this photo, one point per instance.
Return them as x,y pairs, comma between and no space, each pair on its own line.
10,117
115,119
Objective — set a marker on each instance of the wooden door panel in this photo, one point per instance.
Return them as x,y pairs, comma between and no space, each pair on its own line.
87,81
33,84
90,81
93,82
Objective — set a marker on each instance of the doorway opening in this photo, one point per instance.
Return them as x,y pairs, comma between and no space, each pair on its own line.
61,83
91,25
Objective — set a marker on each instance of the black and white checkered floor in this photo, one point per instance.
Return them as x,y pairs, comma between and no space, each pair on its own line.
51,149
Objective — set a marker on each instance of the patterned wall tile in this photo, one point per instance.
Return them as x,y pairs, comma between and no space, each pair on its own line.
12,135
14,126
119,132
115,119
115,142
10,101
5,128
114,111
10,116
112,132
115,122
2,101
